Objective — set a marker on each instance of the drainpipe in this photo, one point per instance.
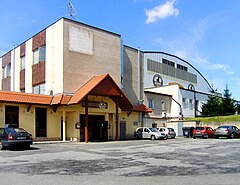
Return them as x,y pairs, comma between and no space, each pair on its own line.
180,106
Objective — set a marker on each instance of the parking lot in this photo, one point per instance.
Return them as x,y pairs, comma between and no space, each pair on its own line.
181,160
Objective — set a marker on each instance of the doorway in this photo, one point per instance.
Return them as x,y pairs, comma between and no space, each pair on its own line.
12,116
97,128
41,122
122,130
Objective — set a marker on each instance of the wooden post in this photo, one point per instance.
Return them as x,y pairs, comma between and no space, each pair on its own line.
64,125
116,119
86,119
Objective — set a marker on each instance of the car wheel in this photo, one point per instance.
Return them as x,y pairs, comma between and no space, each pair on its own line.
231,136
194,137
153,137
206,136
1,146
166,137
136,137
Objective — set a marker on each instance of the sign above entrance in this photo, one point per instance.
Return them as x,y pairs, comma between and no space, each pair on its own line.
94,104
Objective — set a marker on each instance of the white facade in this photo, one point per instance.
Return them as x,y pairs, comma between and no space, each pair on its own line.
168,74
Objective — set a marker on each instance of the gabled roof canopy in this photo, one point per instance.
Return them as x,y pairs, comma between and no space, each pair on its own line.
102,85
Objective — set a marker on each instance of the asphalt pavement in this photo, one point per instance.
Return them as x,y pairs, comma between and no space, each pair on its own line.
173,161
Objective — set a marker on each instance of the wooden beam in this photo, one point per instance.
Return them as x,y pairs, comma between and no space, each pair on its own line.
117,119
29,107
86,119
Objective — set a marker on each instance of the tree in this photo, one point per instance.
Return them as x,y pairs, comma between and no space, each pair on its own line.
212,107
227,103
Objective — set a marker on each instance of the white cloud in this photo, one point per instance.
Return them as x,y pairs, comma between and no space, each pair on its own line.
185,45
162,11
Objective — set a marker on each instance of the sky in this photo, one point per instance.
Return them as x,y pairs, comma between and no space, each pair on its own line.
203,32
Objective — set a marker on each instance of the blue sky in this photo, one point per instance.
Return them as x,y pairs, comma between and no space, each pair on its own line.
203,32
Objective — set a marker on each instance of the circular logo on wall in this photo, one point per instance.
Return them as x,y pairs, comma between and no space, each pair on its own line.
191,87
157,80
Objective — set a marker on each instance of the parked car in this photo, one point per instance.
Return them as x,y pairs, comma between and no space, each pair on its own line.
227,131
169,132
203,132
14,137
148,133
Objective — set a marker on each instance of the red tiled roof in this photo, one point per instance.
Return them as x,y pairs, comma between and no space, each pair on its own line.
142,108
102,85
17,97
61,99
86,88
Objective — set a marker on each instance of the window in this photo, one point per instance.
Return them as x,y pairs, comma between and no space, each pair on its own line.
168,62
22,62
42,53
39,89
7,71
190,104
184,102
39,55
164,106
151,104
182,67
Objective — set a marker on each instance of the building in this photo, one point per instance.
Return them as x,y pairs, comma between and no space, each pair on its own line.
168,75
78,82
65,66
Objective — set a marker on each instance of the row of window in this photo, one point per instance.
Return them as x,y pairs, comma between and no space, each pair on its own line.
189,103
170,63
39,55
151,104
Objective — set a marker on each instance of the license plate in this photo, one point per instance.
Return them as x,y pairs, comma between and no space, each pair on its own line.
21,138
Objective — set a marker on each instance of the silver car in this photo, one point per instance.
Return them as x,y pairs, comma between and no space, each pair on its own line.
148,133
229,131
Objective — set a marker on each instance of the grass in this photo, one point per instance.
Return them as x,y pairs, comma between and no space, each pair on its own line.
231,118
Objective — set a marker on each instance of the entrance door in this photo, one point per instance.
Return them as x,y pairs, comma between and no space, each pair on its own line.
97,128
12,116
122,130
41,122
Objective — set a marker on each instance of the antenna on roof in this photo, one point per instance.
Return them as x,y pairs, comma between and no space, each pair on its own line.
72,10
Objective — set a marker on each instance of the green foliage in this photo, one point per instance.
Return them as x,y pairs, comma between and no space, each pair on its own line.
219,106
231,118
213,106
227,104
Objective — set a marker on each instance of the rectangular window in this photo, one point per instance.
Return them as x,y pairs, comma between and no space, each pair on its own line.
42,53
42,89
39,89
190,104
168,62
39,55
7,71
184,68
184,103
36,56
22,62
151,104
36,89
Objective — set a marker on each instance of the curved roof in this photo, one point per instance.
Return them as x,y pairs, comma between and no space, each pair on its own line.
159,52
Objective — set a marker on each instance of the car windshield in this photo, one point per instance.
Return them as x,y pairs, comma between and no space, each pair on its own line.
223,127
171,129
153,129
199,128
15,130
